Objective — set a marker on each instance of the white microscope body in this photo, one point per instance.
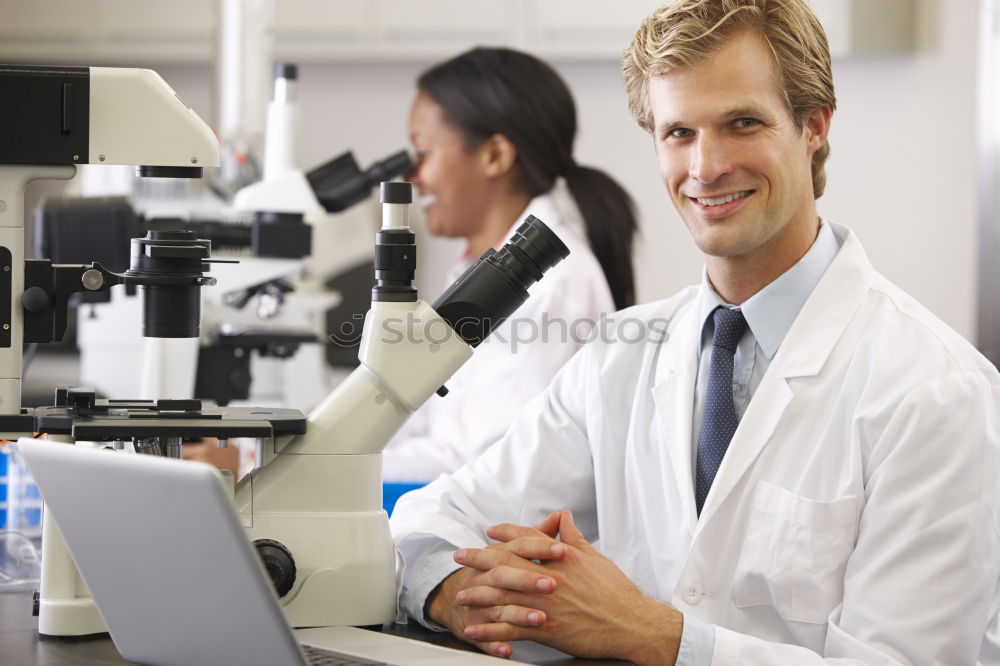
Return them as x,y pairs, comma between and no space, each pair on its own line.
60,117
314,509
319,494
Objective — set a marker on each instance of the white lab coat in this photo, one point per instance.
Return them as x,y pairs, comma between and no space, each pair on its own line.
514,364
853,516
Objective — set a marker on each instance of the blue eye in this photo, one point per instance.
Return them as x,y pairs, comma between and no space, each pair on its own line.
682,133
744,123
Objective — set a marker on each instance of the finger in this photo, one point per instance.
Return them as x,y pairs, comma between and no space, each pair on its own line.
570,533
505,569
519,579
533,548
496,648
497,632
549,526
513,614
509,531
489,596
485,559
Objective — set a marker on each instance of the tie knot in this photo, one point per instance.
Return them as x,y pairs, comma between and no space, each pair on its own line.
729,328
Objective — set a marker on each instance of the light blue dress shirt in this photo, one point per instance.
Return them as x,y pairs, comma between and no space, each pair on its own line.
769,314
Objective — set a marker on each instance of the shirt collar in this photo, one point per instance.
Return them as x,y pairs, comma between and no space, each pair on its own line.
772,310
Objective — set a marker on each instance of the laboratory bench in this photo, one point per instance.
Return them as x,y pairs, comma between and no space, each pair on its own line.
21,646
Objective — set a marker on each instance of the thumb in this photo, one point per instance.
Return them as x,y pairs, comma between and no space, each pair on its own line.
570,533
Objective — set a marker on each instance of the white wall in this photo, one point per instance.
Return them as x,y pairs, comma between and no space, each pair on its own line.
902,170
903,167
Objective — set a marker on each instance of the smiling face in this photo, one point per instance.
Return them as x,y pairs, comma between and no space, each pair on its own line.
449,174
737,167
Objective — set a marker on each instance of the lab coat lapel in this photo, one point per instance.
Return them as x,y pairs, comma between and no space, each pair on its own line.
673,394
809,343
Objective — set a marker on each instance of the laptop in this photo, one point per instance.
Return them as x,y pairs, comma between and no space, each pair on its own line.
173,574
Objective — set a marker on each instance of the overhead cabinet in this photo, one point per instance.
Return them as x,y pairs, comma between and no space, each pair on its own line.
122,32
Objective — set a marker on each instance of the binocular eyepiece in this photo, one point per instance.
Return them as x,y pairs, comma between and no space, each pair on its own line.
497,283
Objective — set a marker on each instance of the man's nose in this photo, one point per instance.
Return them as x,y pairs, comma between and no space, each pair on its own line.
710,159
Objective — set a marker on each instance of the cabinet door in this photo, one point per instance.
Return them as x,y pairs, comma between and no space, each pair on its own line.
867,27
441,28
47,31
107,32
151,31
584,29
323,29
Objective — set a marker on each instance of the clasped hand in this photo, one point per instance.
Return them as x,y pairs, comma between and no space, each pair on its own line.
548,584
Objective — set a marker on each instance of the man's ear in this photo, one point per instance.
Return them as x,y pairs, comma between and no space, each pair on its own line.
498,155
816,127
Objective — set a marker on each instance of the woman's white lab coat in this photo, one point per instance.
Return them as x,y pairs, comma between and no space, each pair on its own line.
514,364
855,514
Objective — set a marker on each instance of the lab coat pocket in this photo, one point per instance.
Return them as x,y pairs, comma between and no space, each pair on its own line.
794,553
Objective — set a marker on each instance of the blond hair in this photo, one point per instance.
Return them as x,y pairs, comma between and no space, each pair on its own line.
685,32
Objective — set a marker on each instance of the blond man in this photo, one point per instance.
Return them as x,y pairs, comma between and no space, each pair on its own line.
804,467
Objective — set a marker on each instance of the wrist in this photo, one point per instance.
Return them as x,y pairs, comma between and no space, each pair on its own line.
440,604
658,636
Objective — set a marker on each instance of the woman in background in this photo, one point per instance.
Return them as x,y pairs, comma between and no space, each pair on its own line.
493,133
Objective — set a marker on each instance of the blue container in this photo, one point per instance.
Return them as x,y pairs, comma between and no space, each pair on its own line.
21,501
393,491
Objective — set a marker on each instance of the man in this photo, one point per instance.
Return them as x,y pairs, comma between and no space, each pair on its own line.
805,467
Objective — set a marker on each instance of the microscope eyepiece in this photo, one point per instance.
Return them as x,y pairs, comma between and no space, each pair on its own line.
396,192
340,183
286,70
397,164
497,283
532,250
395,246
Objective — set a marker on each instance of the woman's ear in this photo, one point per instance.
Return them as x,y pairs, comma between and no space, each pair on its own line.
498,155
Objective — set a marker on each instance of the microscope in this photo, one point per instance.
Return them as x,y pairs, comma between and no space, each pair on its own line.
293,311
313,508
266,323
55,118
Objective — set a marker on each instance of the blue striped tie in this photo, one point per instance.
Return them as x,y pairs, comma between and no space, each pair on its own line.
719,420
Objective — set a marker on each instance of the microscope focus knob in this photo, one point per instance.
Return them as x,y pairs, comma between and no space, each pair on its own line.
279,564
35,299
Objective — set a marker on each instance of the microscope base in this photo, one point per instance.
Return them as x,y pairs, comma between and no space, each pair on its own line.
70,617
65,607
346,566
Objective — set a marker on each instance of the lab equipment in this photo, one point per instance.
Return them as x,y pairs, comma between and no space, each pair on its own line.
315,503
314,506
55,118
264,309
